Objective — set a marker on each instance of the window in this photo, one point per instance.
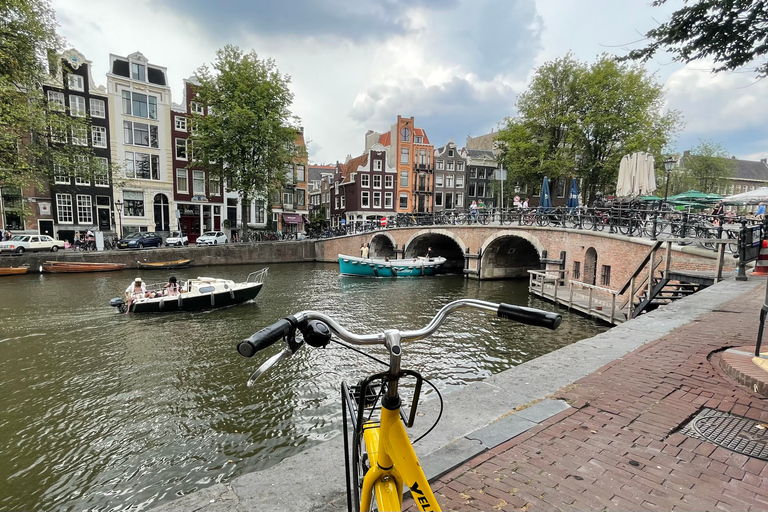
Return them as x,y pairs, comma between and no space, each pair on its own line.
140,105
481,174
459,200
77,105
439,165
459,166
138,72
403,178
560,188
214,186
56,100
182,181
481,190
449,180
365,180
64,208
181,123
405,135
79,135
471,190
60,176
418,139
377,165
140,134
289,173
605,276
377,199
473,172
450,153
365,199
460,181
98,109
81,170
388,199
84,209
404,201
101,173
343,201
99,136
133,203
300,173
377,181
389,181
181,149
337,202
438,199
300,197
577,270
423,157
196,107
142,166
449,166
198,183
405,155
439,180
58,131
75,82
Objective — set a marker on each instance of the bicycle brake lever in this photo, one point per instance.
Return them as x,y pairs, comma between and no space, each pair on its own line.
269,363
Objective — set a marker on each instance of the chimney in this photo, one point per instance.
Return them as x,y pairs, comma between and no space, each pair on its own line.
764,160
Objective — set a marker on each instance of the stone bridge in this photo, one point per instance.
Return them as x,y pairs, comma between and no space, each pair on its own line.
499,252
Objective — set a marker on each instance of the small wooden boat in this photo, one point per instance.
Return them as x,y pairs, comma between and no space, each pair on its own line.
58,267
162,265
9,271
374,267
195,295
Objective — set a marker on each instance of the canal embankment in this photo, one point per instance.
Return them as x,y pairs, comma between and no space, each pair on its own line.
481,415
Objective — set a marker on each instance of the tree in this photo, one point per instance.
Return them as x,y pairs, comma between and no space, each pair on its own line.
732,32
33,136
248,135
581,119
704,168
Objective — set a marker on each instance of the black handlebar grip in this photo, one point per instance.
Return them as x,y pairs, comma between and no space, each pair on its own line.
530,316
265,337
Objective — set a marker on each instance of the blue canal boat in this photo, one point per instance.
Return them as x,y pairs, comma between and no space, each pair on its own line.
376,267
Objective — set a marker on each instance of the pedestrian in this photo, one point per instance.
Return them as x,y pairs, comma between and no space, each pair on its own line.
364,251
525,203
760,213
718,212
473,211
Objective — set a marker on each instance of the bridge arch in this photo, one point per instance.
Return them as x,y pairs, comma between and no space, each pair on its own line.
382,245
443,243
509,254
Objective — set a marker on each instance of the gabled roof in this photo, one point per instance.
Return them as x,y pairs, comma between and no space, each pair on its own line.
481,153
385,139
420,132
748,170
351,166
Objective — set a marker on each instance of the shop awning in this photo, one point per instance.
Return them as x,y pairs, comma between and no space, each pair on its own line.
292,218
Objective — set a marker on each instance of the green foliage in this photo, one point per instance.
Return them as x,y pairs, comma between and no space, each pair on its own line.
581,119
29,128
249,135
732,32
707,165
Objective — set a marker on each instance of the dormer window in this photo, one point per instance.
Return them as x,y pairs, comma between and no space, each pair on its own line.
138,72
418,139
75,82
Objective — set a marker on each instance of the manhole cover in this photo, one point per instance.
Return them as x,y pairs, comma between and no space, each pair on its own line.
735,433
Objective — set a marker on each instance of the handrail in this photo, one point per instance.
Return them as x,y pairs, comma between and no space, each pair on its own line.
641,266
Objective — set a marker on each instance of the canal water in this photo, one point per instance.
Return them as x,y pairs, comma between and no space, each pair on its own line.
102,411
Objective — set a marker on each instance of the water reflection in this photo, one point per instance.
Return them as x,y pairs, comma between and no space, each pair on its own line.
107,411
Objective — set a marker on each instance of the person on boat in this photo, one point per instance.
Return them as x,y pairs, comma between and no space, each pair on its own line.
365,251
136,290
172,287
429,253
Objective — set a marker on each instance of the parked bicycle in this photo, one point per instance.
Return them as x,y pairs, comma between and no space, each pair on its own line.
379,456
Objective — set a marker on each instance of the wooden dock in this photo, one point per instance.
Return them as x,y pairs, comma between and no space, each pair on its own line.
594,301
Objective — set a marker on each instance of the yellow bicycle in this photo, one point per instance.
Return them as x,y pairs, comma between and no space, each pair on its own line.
379,455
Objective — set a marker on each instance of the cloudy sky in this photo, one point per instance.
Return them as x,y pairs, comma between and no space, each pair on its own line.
455,65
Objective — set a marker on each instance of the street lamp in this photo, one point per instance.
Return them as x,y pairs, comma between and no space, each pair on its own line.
119,207
669,164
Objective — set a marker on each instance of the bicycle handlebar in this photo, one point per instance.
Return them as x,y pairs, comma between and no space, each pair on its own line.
283,328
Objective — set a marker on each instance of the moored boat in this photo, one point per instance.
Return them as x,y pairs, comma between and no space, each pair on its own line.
376,267
164,265
58,267
8,271
195,295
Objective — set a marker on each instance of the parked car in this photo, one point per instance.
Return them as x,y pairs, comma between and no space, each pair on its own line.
212,238
140,240
22,243
177,238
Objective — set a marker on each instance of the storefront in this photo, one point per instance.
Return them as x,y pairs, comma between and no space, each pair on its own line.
196,218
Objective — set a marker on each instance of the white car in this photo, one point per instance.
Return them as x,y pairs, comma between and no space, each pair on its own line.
177,238
212,238
22,243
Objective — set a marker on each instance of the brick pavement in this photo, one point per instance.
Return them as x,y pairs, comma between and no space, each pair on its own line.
617,447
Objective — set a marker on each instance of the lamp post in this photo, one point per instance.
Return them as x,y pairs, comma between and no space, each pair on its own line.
669,164
119,207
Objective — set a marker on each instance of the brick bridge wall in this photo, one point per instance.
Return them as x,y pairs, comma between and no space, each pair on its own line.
621,253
